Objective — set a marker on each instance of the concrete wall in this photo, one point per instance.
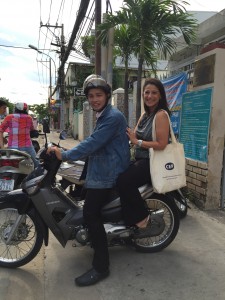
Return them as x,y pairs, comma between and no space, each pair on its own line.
117,99
80,126
204,180
211,30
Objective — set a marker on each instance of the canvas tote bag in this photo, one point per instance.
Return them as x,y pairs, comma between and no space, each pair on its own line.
167,167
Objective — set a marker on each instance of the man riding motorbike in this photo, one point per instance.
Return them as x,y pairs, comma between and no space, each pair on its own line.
108,153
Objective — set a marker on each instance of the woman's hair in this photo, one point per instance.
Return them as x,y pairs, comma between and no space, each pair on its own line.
162,101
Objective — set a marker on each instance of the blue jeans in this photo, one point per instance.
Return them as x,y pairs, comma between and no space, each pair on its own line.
30,150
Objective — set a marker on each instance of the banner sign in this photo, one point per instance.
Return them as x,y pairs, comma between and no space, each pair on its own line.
195,122
175,86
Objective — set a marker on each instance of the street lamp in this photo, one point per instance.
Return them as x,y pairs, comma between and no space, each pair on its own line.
50,70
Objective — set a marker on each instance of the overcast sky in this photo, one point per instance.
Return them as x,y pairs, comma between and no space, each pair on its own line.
22,76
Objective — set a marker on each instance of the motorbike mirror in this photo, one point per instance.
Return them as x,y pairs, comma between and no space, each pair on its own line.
63,135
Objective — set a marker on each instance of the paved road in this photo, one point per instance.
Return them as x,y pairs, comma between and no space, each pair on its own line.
192,267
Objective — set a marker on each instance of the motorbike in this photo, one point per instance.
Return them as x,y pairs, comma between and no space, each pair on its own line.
71,174
27,215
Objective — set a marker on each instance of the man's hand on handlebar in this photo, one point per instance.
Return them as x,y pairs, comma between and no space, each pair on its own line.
56,150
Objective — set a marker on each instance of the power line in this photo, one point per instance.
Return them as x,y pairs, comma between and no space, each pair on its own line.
9,46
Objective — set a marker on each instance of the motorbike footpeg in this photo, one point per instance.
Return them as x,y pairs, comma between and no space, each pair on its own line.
117,230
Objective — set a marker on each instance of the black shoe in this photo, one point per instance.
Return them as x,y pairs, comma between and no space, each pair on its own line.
91,277
155,227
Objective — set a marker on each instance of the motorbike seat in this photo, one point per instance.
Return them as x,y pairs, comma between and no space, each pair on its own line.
114,199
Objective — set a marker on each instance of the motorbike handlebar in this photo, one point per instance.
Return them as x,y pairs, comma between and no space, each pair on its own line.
41,133
57,145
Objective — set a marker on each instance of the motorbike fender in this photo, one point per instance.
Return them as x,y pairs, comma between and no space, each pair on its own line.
172,194
19,200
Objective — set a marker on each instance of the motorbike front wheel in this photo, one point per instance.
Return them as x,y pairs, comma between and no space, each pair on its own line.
165,212
26,241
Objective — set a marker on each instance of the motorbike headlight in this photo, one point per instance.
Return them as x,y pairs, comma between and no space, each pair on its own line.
32,182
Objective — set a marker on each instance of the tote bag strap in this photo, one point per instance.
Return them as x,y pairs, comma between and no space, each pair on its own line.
173,139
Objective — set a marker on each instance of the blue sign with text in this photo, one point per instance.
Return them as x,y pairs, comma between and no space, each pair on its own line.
195,120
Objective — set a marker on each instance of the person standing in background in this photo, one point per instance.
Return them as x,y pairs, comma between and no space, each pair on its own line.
35,122
3,106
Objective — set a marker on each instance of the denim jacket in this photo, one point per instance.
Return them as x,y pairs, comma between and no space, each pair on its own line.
107,149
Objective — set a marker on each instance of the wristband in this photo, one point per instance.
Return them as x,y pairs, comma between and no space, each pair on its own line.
139,143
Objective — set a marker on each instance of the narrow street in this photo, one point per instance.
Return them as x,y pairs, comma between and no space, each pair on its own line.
192,267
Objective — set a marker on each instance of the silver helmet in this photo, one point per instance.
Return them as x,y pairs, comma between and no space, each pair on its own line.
96,81
21,106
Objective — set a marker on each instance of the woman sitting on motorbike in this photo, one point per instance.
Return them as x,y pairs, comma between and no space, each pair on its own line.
138,174
19,125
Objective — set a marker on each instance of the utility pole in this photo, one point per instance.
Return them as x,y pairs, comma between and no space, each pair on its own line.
62,76
50,80
61,72
50,71
66,51
98,12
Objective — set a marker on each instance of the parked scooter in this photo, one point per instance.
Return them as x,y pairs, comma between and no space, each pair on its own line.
26,216
15,165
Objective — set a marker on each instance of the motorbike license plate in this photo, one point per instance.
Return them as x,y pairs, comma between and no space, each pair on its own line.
6,185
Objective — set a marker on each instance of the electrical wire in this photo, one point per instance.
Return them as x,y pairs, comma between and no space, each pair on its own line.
84,24
46,37
84,59
71,8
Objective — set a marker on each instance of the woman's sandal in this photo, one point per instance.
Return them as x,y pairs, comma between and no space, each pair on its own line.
154,227
144,223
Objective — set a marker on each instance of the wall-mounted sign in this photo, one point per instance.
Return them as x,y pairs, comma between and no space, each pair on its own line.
79,92
195,121
175,86
204,70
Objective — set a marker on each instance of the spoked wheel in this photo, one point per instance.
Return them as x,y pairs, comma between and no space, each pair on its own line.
26,241
165,215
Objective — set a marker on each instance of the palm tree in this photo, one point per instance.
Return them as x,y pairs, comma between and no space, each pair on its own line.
154,24
124,44
123,48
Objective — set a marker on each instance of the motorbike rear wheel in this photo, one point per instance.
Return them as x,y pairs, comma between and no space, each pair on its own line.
169,219
26,241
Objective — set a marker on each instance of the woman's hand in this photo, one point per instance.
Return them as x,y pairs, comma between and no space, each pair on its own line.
56,150
132,136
